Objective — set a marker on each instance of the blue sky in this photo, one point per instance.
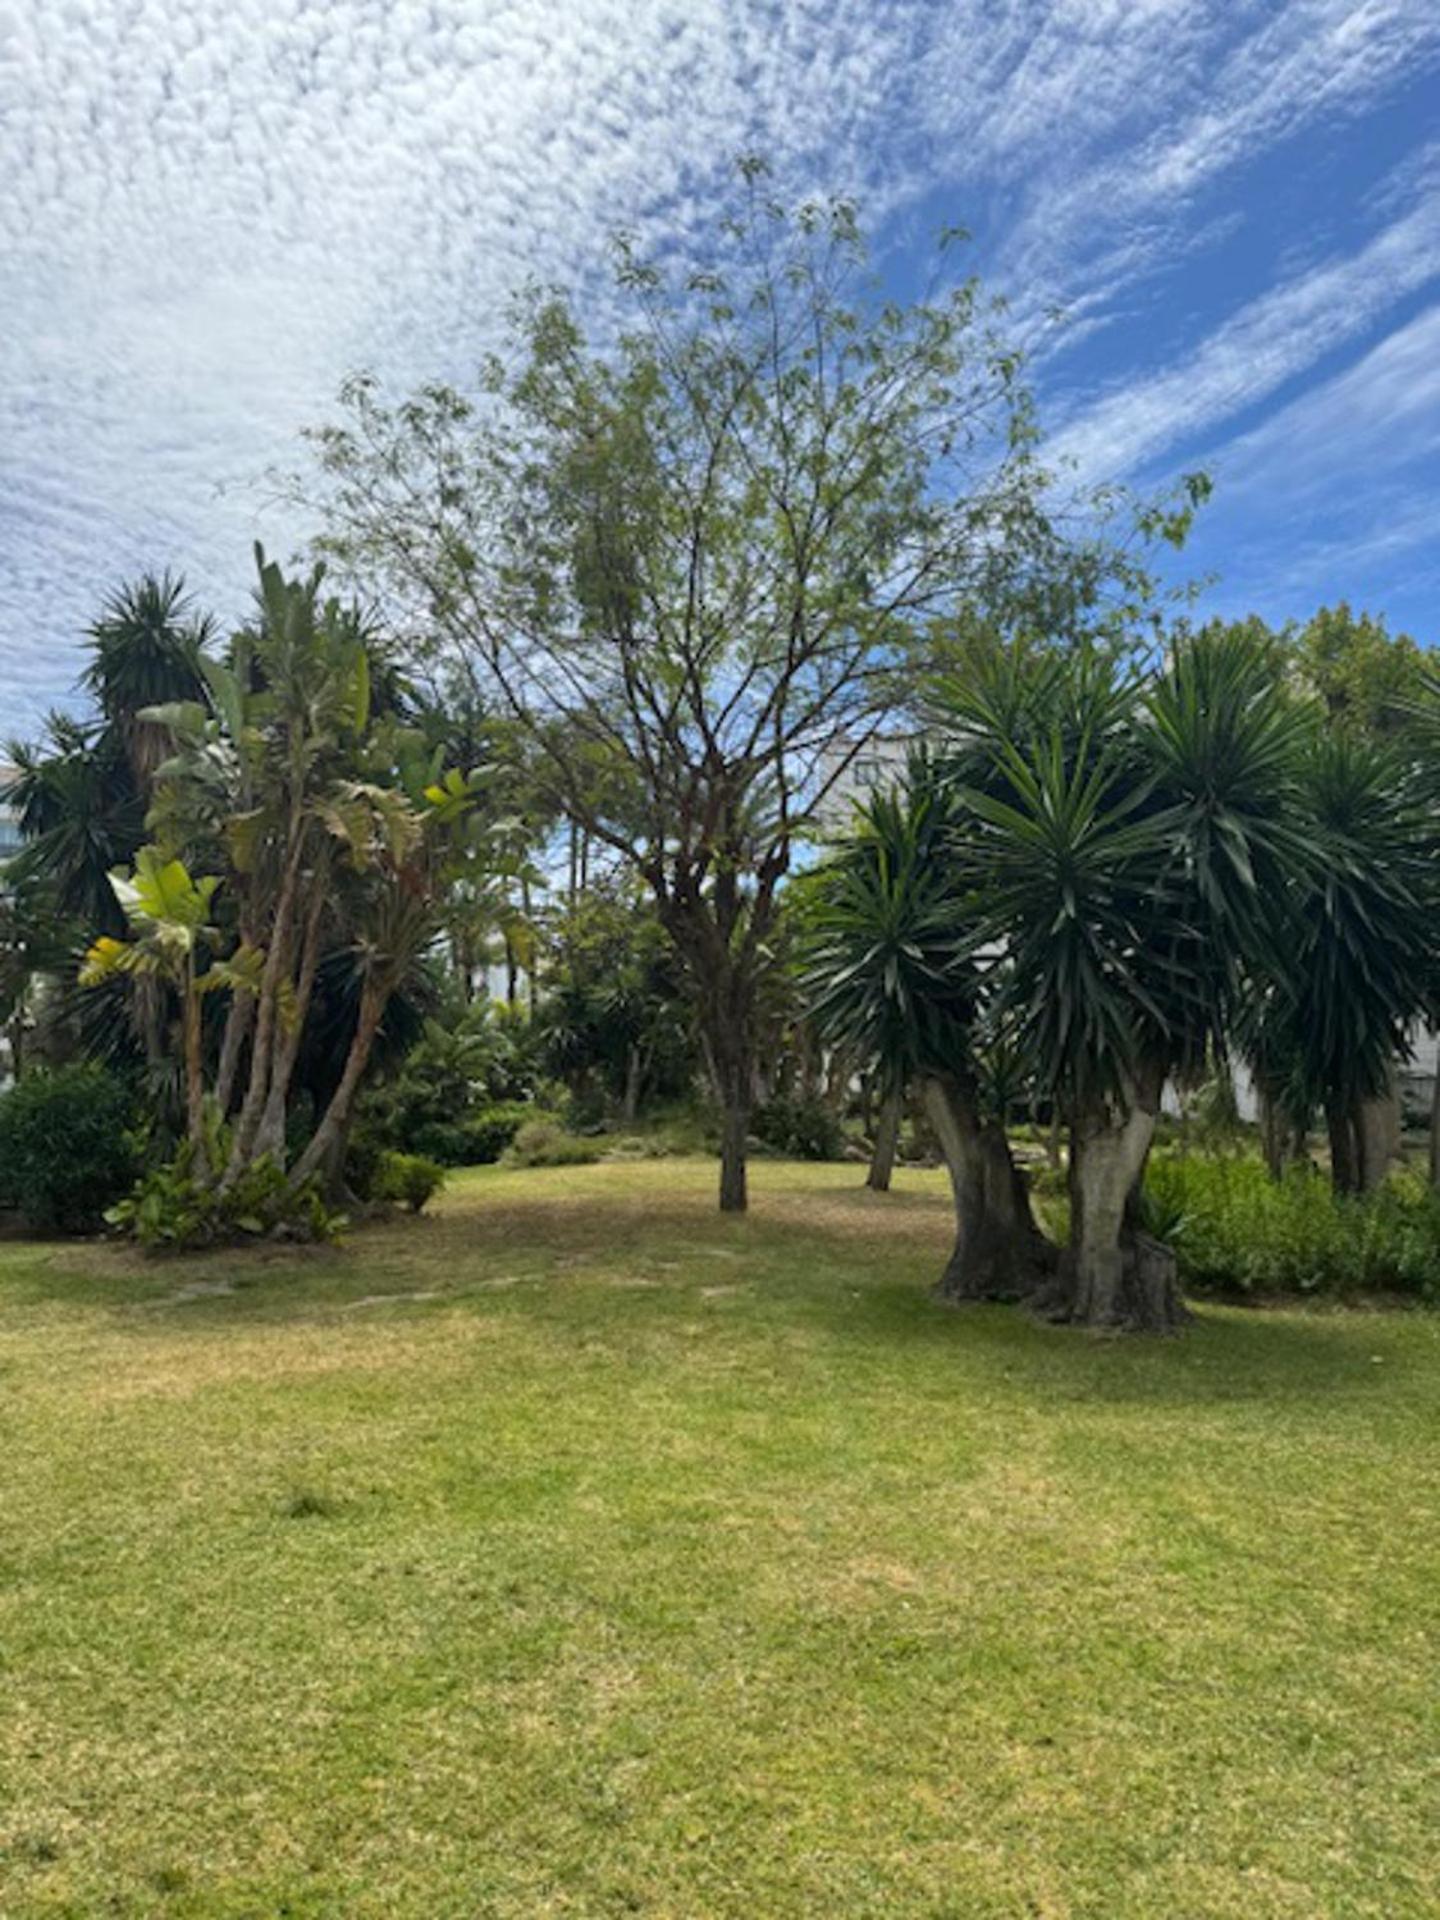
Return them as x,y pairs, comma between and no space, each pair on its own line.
212,210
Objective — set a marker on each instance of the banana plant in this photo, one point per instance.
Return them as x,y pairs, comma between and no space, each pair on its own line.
169,914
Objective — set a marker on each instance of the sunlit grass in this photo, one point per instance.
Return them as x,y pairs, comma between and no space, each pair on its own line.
576,1551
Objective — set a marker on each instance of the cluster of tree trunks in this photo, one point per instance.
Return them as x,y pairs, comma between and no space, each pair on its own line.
1113,1274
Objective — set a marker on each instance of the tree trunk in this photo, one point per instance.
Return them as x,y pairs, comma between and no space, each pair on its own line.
194,1072
1115,1275
270,1135
630,1104
1374,1136
1273,1130
267,1014
734,1133
332,1128
887,1139
238,1021
1378,1134
999,1252
1344,1147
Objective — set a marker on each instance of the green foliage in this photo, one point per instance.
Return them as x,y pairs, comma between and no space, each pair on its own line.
545,1143
1236,1230
490,1131
1367,679
1353,967
800,1129
67,1149
614,1025
885,962
407,1179
461,1093
173,1211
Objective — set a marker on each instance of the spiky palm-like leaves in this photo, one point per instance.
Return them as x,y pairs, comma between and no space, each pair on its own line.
888,959
1354,963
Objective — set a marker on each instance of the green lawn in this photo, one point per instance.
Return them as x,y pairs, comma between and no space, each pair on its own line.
575,1551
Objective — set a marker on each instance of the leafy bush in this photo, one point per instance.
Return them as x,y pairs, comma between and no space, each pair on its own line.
1236,1230
490,1131
171,1210
407,1179
545,1143
803,1129
445,1101
67,1147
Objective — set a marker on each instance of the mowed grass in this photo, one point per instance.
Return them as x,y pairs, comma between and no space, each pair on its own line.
576,1551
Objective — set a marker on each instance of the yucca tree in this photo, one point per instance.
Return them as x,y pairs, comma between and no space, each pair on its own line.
1353,967
80,816
1132,836
146,651
891,973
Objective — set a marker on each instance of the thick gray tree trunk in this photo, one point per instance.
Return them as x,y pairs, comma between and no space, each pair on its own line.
1115,1275
1274,1133
1379,1134
999,1252
887,1139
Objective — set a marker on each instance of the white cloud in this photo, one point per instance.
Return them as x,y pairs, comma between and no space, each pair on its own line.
210,210
1278,335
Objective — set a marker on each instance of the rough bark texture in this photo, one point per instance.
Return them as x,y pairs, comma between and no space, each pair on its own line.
999,1253
887,1139
734,1131
1378,1135
1274,1134
1116,1276
1373,1141
726,997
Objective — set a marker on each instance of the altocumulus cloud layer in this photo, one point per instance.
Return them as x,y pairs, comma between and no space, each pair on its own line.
211,210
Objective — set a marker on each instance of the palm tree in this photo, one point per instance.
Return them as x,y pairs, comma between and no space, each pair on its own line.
79,815
1133,835
1353,967
891,971
147,648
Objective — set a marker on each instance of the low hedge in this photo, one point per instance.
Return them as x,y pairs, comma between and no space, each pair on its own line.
1235,1230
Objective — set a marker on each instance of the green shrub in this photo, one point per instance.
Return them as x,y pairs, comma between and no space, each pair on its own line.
67,1147
545,1143
407,1179
1236,1230
490,1131
170,1210
453,1078
803,1129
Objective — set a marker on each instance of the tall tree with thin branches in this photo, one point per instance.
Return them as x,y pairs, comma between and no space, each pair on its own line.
696,557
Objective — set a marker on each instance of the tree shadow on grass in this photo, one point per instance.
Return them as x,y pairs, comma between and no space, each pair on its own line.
846,1267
